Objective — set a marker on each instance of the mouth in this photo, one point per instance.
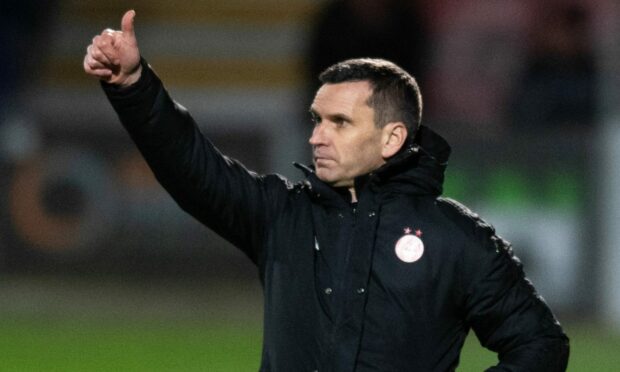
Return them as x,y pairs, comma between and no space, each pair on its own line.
320,159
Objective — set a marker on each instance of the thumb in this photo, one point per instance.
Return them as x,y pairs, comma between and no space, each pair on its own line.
127,24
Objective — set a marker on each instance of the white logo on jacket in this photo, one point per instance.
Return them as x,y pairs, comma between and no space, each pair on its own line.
410,248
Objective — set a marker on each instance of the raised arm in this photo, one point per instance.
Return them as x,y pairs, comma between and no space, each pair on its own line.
216,190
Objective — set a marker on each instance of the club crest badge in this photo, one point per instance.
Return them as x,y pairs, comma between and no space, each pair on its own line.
410,248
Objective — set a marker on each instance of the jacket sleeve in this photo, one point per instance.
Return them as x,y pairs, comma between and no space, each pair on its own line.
504,310
216,190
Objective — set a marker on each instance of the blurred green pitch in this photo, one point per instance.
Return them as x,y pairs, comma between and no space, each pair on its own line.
28,344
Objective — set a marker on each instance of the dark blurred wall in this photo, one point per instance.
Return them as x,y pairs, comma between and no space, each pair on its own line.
389,29
23,35
558,84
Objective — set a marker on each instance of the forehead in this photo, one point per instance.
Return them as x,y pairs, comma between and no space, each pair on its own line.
343,97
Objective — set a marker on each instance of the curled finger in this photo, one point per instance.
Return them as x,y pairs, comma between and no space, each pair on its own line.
96,53
105,45
97,72
94,64
102,73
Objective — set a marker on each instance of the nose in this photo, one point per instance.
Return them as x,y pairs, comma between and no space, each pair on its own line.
317,137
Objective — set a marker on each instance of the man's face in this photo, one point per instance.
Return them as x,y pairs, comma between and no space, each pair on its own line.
345,141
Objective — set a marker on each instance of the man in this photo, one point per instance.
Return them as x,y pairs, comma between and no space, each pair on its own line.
364,266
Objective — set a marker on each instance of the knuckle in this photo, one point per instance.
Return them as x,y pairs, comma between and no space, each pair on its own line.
101,42
97,53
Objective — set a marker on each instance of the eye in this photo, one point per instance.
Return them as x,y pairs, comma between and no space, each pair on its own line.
314,118
340,121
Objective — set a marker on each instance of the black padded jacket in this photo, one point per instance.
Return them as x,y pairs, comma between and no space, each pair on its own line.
422,270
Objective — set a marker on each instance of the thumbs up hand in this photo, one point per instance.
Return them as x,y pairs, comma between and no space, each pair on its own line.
113,55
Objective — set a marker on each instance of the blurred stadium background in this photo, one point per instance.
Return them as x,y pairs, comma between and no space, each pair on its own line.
100,271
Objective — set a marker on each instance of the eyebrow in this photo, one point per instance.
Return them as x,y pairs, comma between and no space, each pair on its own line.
338,116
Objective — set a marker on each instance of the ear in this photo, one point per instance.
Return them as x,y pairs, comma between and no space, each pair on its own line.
393,137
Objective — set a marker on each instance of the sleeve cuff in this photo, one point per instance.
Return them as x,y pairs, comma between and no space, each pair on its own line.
134,102
114,91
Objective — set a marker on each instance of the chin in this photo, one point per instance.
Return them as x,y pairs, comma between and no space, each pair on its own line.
325,176
321,174
332,179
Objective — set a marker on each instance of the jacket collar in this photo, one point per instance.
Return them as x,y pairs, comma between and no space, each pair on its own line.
417,168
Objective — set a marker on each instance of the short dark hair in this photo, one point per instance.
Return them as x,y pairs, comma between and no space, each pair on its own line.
395,93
